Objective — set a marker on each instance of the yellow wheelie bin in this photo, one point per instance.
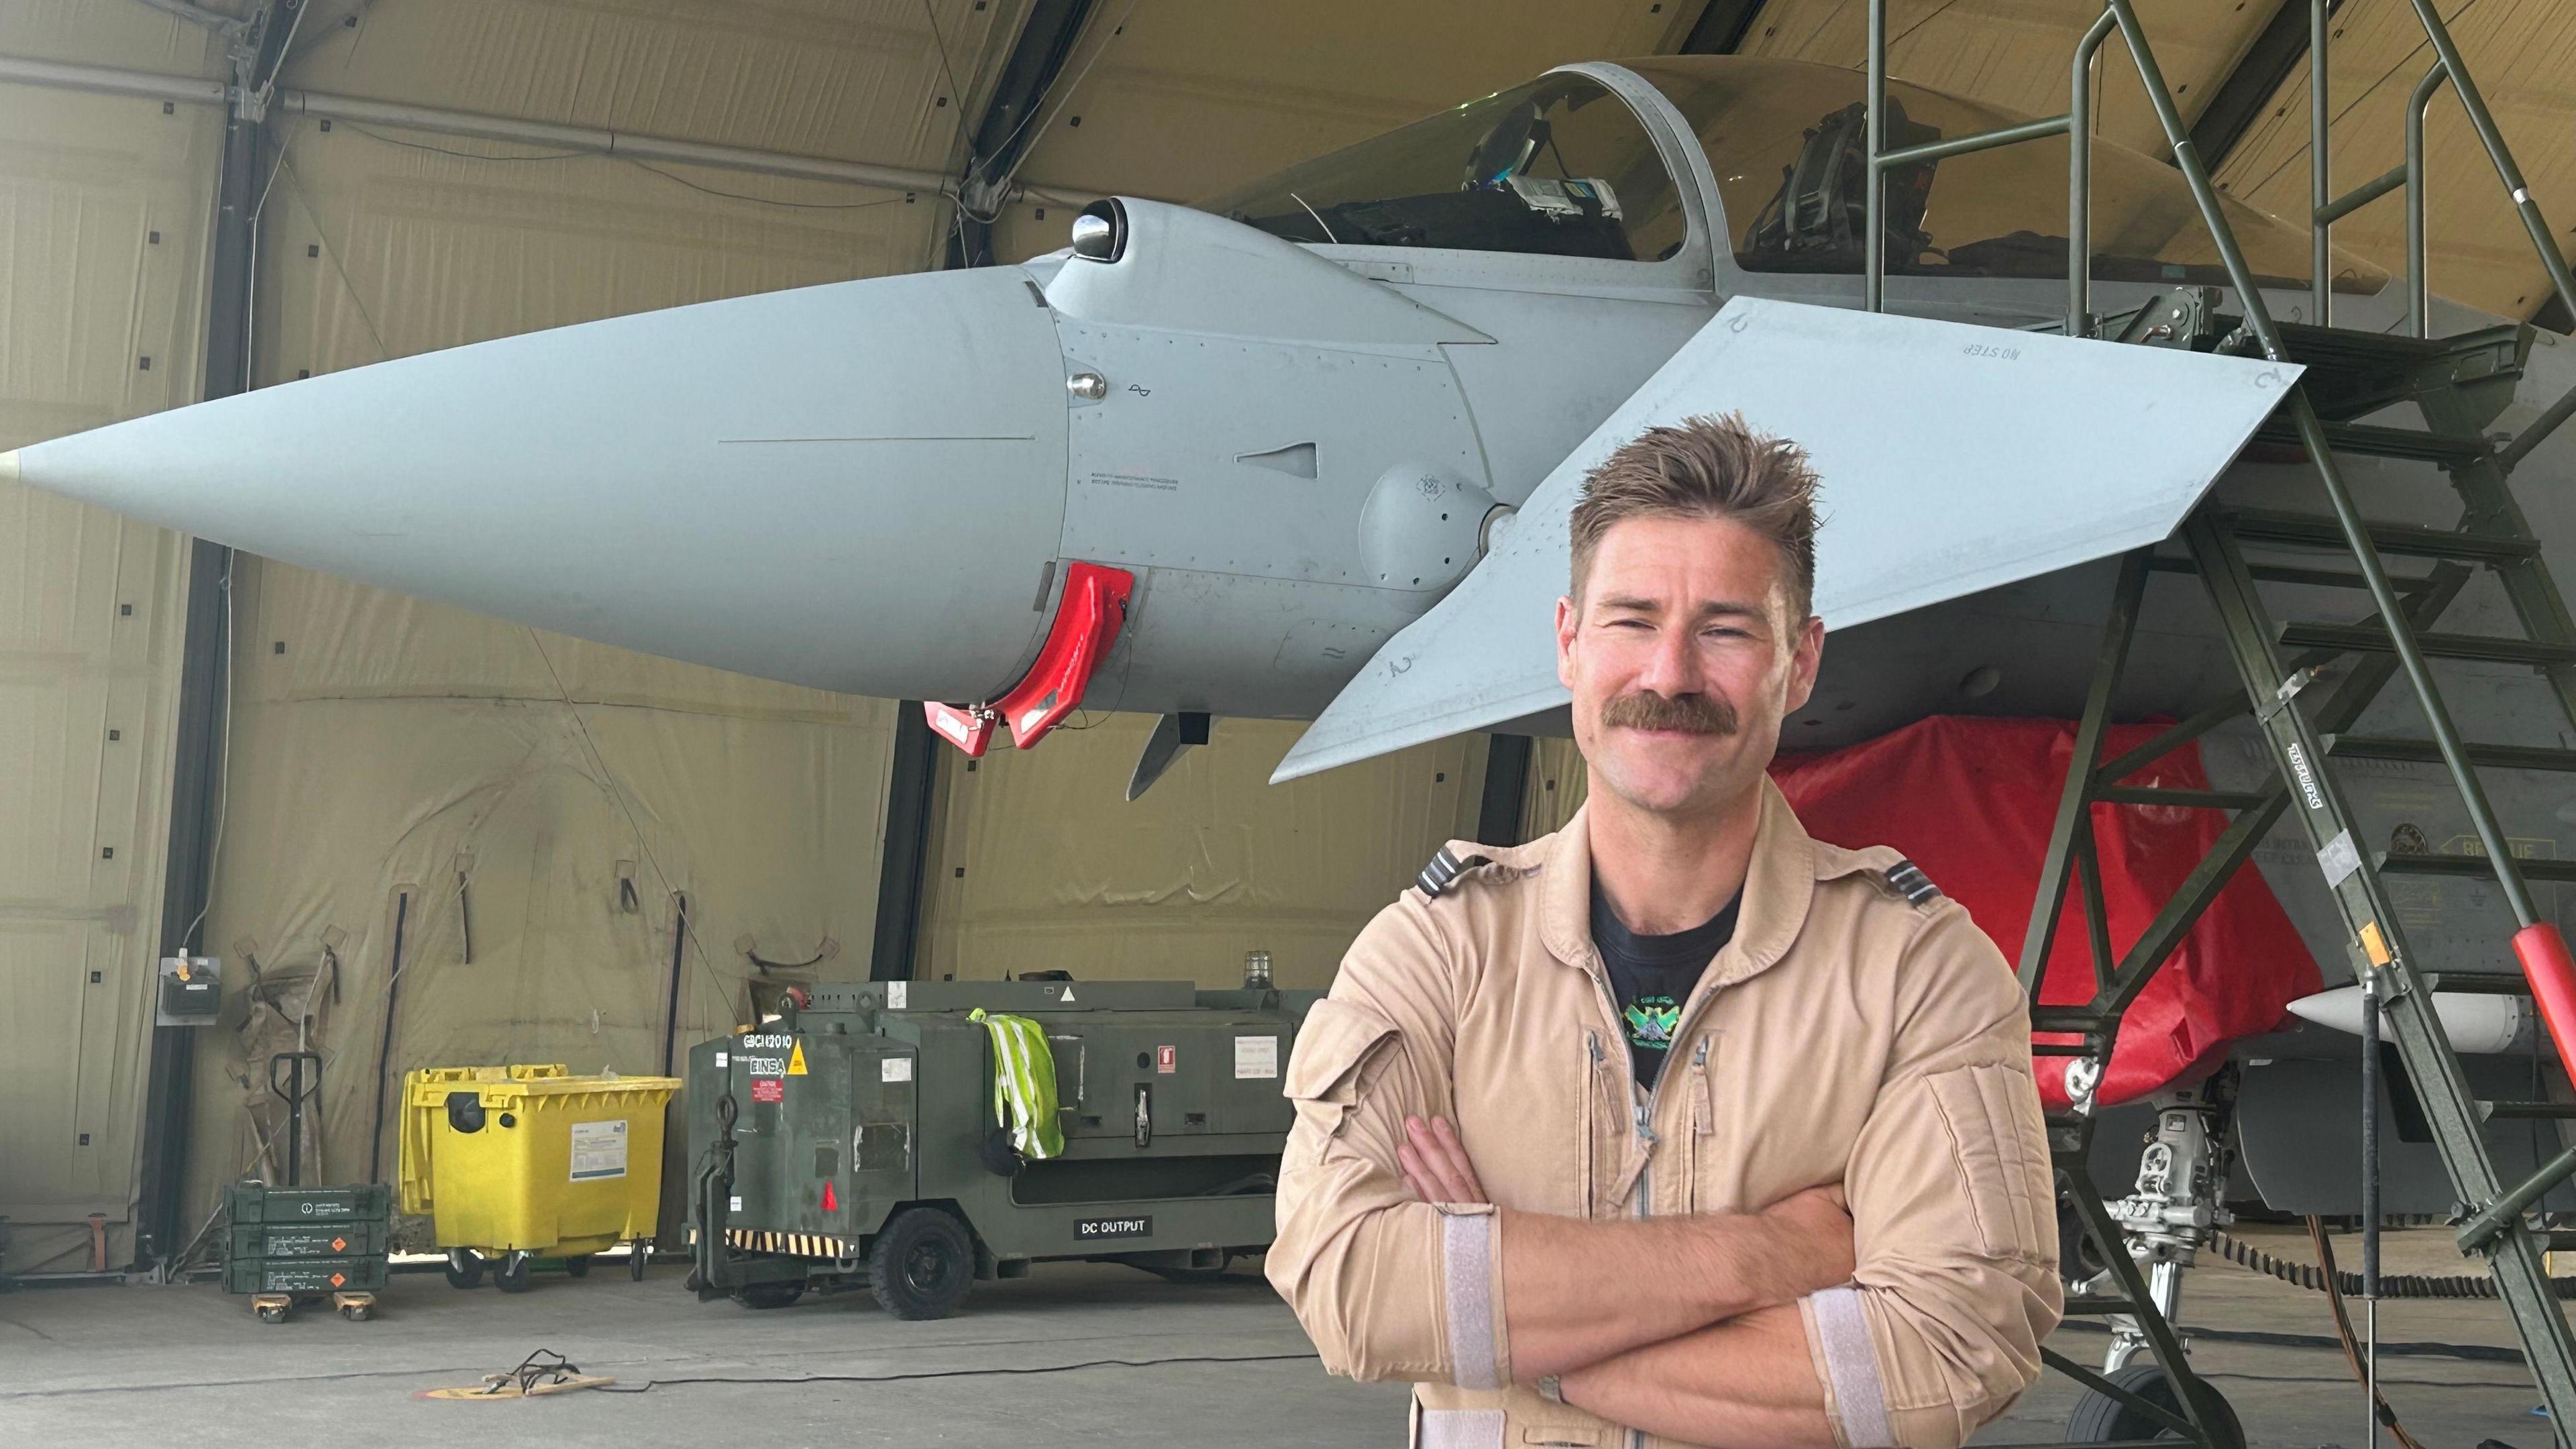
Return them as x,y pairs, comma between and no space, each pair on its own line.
517,1164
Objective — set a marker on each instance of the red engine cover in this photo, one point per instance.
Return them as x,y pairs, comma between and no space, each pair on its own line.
1971,802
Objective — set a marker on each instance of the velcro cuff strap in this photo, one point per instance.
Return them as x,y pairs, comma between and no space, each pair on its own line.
1467,1275
1860,1396
1461,1429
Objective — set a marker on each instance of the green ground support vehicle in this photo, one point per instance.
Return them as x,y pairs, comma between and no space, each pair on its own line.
852,1140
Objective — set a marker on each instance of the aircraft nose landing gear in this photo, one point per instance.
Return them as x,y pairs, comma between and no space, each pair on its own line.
2174,1211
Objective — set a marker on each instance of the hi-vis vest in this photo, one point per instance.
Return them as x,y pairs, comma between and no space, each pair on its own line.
1023,1084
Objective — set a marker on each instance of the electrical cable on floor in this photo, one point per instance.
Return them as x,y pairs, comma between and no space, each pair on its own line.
2351,1347
2391,1285
2199,1372
1061,1368
2467,1352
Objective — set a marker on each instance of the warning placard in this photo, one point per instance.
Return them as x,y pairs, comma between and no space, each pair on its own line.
598,1150
769,1089
1256,1056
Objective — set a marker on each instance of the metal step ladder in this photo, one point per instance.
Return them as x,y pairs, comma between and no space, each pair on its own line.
2307,684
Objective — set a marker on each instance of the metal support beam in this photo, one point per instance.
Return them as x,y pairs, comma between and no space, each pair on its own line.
1722,28
1507,762
911,789
2249,89
196,778
2119,630
1004,132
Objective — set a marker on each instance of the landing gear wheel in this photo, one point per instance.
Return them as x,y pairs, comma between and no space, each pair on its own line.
639,1256
771,1295
921,1265
512,1274
578,1265
464,1268
2101,1419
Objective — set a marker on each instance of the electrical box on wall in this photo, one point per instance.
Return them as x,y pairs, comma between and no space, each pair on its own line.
191,992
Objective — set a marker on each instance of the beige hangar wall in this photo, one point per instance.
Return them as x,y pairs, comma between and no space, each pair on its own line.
104,230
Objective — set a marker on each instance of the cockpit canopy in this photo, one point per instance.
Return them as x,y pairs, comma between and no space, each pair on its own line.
1562,167
1558,167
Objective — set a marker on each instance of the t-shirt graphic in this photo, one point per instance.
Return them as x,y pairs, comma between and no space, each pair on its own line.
1653,975
1651,1022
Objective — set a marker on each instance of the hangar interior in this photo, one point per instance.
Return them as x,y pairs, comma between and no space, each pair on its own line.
418,836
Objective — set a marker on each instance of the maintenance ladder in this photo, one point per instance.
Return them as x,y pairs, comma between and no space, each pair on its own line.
2459,385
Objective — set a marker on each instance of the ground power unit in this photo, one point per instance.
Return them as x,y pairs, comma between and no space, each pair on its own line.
854,1139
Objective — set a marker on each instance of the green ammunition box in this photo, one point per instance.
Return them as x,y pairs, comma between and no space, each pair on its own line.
304,1275
308,1240
256,1202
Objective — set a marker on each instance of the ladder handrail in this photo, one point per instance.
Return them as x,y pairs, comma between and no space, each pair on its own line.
2419,277
2483,122
2320,169
2079,177
2075,123
2267,334
1873,297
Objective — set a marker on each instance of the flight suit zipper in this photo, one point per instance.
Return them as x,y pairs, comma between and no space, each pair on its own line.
1596,1089
1642,1192
1642,1200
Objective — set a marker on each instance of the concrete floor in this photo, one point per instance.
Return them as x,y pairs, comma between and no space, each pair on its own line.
189,1366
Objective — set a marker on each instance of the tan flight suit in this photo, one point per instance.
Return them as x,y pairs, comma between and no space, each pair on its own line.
1849,1032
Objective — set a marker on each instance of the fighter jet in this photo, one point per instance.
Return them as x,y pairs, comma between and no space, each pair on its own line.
1210,459
1305,449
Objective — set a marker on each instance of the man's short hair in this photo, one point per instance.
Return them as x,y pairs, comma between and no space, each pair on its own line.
1713,468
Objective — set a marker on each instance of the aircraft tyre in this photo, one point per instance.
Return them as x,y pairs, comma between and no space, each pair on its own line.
2100,1419
921,1265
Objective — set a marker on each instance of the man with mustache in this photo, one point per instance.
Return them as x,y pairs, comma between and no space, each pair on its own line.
1676,1126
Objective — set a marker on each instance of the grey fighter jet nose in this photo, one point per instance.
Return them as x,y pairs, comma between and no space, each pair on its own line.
856,486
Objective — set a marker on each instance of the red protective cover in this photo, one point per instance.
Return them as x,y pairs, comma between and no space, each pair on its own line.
968,729
2546,965
1087,621
1971,802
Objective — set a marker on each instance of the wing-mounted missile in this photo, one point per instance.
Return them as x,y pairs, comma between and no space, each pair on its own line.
2477,1024
1955,458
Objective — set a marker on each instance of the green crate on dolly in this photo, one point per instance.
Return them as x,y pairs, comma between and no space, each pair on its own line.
517,1164
285,1244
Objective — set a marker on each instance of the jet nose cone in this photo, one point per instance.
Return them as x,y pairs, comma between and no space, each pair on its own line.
851,486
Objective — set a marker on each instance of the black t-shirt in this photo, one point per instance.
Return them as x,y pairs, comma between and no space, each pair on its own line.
1651,976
